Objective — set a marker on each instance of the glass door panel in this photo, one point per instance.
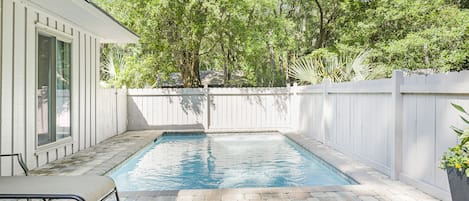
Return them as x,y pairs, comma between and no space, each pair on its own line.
63,69
45,62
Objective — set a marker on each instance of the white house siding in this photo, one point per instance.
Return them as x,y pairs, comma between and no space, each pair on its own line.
18,82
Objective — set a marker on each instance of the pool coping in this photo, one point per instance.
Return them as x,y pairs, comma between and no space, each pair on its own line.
341,163
372,183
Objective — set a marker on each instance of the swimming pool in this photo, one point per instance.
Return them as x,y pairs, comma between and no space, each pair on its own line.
200,161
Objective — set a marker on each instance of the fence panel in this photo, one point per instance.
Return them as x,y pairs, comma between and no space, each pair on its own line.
111,112
351,117
359,120
238,109
427,117
121,103
166,108
310,117
249,108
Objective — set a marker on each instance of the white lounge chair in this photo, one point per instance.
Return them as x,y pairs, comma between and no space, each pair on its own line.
82,188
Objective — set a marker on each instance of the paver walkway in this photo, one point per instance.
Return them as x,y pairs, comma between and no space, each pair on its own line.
374,186
99,159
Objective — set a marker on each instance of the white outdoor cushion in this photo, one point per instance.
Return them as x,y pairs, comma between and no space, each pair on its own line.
86,187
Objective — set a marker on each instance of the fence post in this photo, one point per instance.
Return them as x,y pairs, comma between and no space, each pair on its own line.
295,108
207,112
396,124
117,110
325,110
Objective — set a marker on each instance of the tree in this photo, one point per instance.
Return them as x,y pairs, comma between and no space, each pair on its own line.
230,35
408,34
259,39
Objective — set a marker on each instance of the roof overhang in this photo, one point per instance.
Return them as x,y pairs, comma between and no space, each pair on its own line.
91,18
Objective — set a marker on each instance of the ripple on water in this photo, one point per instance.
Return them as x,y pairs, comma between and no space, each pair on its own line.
223,161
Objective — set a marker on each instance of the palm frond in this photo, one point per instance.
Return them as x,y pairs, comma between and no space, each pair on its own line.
305,70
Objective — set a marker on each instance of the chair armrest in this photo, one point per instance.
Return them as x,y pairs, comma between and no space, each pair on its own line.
20,161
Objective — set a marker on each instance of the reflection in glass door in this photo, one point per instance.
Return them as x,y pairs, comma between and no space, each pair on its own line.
62,102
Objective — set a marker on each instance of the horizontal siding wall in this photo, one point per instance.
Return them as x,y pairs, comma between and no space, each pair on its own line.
19,22
240,109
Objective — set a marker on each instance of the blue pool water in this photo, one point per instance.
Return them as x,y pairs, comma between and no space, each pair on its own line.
178,162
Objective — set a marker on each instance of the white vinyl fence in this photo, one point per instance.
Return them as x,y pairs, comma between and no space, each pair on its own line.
427,116
228,108
111,106
354,118
399,126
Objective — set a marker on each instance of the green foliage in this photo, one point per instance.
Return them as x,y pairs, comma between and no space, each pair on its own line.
306,70
409,34
262,38
186,36
324,64
123,65
458,156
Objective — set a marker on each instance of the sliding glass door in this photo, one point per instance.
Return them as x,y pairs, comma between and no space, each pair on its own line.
53,89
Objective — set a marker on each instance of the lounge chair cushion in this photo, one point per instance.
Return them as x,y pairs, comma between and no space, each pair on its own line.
86,187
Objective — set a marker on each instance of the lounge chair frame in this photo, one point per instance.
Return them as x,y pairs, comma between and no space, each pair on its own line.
20,161
52,197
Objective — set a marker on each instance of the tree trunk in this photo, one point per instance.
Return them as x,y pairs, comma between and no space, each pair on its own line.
287,71
320,41
195,78
189,69
280,62
229,62
279,7
226,61
272,62
427,58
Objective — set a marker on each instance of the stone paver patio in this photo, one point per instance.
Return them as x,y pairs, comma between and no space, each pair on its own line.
374,186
